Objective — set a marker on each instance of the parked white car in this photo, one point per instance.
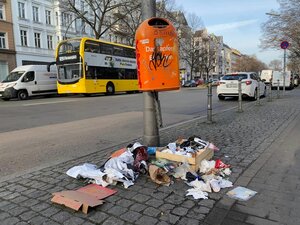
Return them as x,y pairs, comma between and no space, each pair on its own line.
228,85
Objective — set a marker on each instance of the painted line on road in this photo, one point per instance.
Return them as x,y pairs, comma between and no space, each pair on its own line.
46,103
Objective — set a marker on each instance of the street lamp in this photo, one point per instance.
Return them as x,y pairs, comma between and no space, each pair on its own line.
77,17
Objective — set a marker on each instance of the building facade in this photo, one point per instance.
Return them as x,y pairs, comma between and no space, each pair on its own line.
7,45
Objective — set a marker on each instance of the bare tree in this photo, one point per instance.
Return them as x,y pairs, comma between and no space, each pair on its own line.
275,64
99,15
207,57
283,25
249,64
189,46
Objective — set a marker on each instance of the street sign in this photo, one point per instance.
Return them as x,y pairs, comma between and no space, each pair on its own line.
284,45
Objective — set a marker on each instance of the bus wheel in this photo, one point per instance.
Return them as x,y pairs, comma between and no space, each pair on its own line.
22,95
110,89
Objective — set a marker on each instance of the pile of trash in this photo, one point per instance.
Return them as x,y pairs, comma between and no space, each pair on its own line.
125,165
188,147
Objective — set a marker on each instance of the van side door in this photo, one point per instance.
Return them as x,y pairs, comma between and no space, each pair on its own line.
29,83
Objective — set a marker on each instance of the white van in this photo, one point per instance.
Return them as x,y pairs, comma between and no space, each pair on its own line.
29,80
278,76
266,76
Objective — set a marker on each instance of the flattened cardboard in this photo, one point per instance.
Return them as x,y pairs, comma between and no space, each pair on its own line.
97,191
85,197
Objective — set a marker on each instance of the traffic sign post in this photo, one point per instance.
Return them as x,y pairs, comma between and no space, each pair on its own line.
284,45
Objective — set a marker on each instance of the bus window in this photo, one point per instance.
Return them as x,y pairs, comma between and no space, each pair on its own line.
69,72
91,47
129,53
70,46
118,51
106,49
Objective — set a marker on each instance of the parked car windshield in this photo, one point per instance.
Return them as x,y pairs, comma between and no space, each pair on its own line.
13,76
235,77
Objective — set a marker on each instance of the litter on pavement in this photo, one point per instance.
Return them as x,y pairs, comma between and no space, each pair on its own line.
185,159
241,193
85,197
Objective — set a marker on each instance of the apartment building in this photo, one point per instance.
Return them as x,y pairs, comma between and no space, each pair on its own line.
7,45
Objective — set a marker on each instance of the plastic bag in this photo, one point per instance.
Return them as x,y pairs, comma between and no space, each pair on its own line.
241,193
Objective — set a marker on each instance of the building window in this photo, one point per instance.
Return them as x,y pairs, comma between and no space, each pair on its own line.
2,12
50,41
35,13
66,19
23,34
2,40
37,40
21,7
48,17
56,18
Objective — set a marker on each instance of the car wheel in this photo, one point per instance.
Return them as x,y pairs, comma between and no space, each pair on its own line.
221,98
110,89
22,95
254,98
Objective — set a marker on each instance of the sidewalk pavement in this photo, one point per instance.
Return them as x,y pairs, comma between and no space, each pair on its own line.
261,144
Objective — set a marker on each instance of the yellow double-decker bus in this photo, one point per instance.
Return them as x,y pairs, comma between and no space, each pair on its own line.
89,66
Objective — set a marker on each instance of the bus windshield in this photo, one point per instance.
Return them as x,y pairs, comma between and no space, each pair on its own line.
13,76
69,46
69,73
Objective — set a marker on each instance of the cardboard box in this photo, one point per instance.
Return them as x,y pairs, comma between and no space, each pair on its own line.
194,161
85,197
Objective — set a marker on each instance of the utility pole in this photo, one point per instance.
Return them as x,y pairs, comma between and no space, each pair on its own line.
151,131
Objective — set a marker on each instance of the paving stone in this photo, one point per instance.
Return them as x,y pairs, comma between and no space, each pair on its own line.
97,217
3,215
124,203
175,199
61,216
18,210
113,221
28,215
201,210
30,203
166,207
180,211
75,221
50,211
155,202
141,198
169,218
117,210
137,207
188,221
188,204
10,221
209,203
153,212
147,220
195,215
10,196
130,216
38,220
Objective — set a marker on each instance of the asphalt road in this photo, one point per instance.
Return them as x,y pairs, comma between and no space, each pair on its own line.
45,131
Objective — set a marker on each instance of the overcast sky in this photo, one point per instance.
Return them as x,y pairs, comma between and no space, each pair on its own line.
238,21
